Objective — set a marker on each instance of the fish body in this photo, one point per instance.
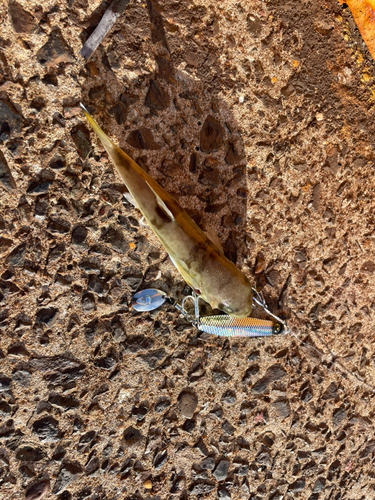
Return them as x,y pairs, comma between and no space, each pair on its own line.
200,261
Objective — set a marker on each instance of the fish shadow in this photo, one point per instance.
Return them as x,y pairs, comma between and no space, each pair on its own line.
175,124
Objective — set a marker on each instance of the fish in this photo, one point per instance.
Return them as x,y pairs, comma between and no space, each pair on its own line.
200,260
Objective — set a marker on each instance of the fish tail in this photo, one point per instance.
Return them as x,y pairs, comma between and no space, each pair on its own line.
105,140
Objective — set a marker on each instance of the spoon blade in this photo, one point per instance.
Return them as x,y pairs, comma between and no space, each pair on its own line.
148,300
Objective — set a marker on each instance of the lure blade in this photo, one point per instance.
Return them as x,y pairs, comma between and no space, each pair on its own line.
226,326
148,300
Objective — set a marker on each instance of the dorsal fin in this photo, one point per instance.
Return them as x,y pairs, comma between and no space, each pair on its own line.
130,199
212,236
161,204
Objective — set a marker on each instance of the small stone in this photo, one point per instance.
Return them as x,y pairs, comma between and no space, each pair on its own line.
152,358
58,119
132,436
165,69
259,265
211,136
23,377
58,225
178,485
57,163
242,470
298,485
5,408
156,97
188,403
316,196
220,377
368,267
319,485
228,428
250,372
41,206
115,238
96,93
147,484
330,392
339,416
229,397
208,463
17,257
193,163
201,488
5,244
23,21
6,177
39,186
210,177
224,494
29,454
66,402
66,476
38,491
79,235
38,103
47,429
105,363
139,412
92,466
232,156
221,471
94,284
217,412
55,51
274,277
162,405
82,143
273,373
142,139
254,24
47,315
160,459
120,112
282,409
10,120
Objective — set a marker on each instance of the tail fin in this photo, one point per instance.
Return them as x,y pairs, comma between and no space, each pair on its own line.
105,140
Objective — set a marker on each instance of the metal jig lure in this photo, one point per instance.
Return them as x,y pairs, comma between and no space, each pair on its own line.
221,325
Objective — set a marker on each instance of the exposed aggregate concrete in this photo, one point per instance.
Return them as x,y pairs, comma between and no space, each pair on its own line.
258,117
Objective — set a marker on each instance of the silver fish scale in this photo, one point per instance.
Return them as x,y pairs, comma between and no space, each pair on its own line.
226,326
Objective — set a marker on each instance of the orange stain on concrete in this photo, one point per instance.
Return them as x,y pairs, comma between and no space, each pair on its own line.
364,15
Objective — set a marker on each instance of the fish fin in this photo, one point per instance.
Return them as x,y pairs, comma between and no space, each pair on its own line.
212,236
130,199
161,204
173,262
184,275
105,140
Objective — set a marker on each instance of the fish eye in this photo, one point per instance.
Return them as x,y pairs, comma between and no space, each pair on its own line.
277,328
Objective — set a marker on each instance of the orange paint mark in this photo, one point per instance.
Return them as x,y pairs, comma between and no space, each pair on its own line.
364,15
295,63
274,79
132,245
306,188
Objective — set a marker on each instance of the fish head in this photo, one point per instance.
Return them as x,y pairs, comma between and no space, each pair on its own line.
238,303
